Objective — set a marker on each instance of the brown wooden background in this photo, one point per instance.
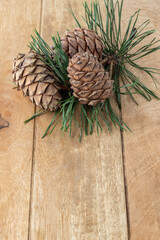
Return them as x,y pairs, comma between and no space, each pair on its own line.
107,187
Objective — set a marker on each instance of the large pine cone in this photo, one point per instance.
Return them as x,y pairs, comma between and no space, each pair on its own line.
82,40
36,80
90,82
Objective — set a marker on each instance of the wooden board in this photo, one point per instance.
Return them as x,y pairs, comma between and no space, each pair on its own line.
78,189
141,147
57,188
17,21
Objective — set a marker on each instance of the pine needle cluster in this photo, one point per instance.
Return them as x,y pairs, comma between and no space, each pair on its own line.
120,50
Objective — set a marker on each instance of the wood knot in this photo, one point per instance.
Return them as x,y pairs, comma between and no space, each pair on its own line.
3,123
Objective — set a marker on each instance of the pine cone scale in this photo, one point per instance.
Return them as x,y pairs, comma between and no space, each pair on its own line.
88,77
79,75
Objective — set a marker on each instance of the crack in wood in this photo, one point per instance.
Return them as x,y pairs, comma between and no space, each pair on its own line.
3,123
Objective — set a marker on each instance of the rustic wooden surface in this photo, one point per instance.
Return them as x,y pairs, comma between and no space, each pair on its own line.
17,21
141,148
59,189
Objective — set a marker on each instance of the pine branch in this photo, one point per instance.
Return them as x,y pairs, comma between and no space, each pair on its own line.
118,53
54,57
123,50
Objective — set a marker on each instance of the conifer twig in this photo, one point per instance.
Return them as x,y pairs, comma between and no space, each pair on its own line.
118,53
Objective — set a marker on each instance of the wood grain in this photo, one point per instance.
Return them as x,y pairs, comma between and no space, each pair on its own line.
17,22
78,189
141,147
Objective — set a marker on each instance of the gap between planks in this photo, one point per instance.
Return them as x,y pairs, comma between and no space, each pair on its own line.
33,147
124,179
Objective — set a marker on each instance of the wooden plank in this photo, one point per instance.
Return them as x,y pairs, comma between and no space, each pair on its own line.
17,22
78,189
141,147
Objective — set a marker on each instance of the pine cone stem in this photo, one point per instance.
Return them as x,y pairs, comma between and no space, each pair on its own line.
105,60
65,88
111,63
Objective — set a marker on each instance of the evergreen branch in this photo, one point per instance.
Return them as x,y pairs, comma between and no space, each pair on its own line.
88,117
121,51
126,50
56,59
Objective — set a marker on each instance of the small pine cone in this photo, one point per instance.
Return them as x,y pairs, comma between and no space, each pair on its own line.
90,82
82,40
36,80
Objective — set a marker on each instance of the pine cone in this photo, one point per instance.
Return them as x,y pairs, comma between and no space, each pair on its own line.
36,80
82,40
90,82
